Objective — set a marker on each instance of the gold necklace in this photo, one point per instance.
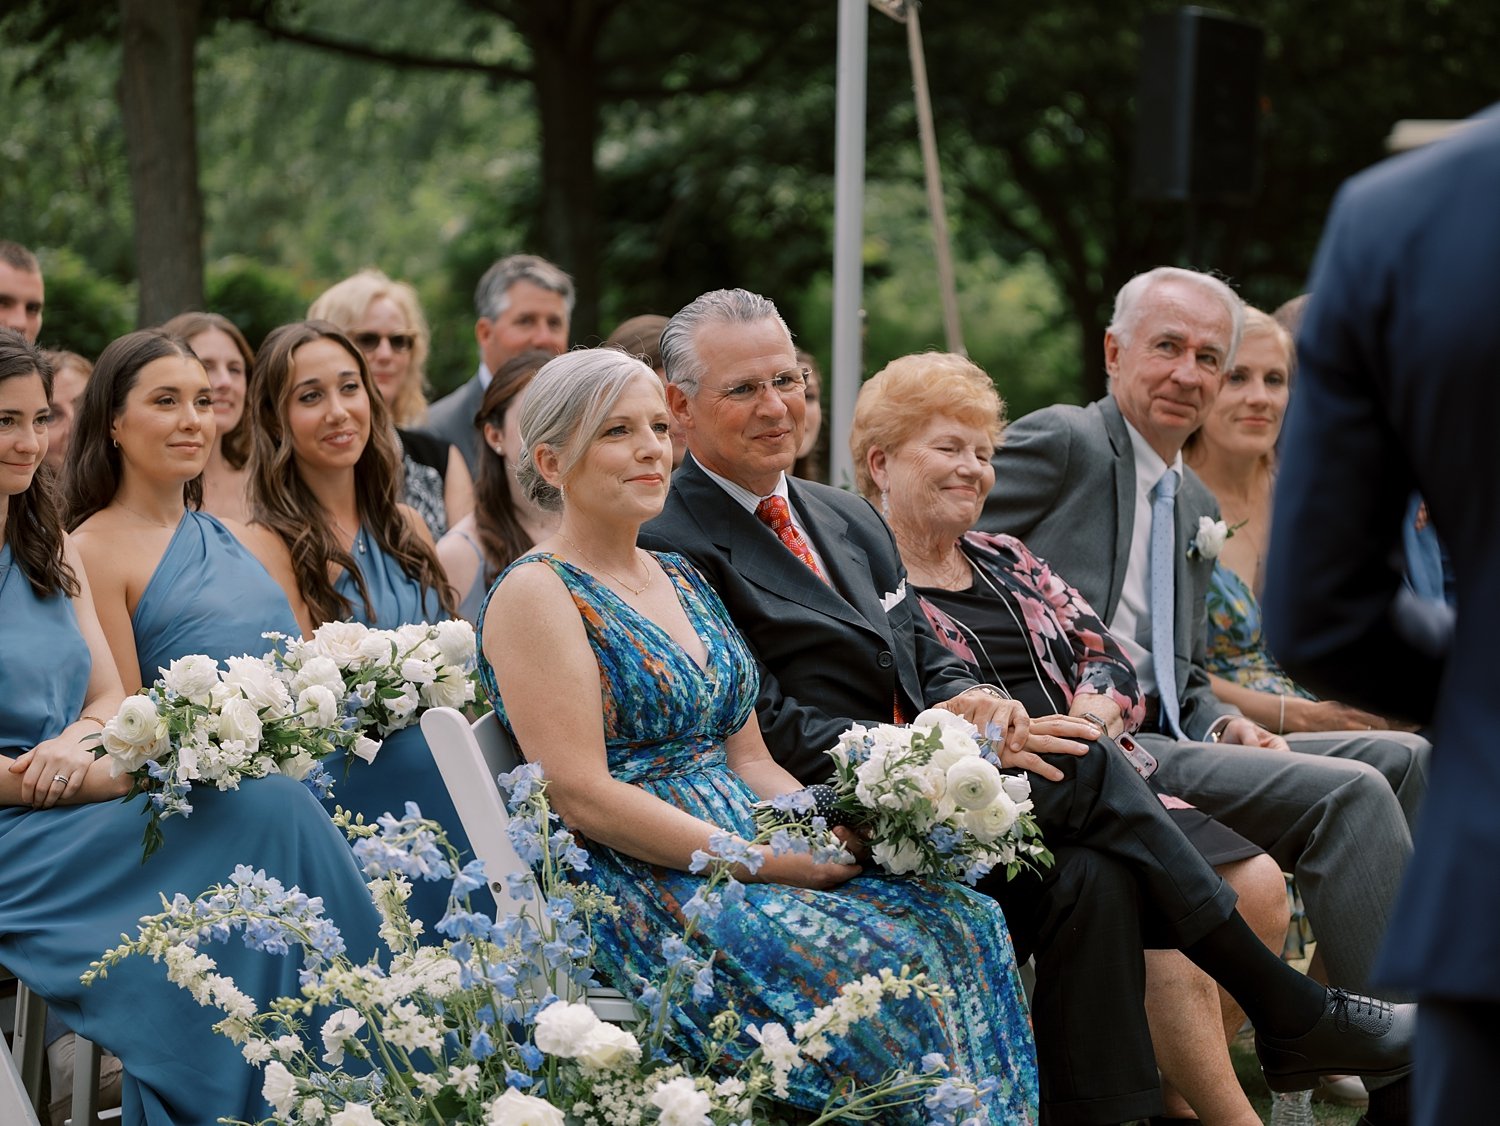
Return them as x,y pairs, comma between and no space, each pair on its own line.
637,591
143,517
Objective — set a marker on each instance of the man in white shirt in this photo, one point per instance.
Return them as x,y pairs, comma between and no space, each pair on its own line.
1085,488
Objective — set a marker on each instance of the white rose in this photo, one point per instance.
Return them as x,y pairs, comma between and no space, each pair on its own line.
409,637
607,1048
899,860
681,1103
994,820
416,671
135,734
455,641
453,689
279,1087
516,1109
192,677
339,642
366,748
239,722
256,682
973,783
319,670
317,706
948,721
376,648
1210,537
562,1026
355,1114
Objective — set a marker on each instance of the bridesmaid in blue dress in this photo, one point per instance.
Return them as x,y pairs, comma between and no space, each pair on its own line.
325,490
74,880
640,709
167,578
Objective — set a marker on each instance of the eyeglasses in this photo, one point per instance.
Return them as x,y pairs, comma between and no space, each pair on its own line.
790,384
369,342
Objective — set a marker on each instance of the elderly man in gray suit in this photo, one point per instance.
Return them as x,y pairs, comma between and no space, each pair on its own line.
523,302
1102,493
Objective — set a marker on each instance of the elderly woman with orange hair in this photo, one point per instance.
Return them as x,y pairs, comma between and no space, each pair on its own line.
925,429
384,318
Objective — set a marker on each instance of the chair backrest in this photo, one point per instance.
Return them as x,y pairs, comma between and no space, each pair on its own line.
15,1107
469,758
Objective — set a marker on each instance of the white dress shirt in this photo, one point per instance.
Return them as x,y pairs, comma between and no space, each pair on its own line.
1131,624
750,502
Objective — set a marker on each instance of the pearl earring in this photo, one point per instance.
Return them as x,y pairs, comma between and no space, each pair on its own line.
885,504
499,449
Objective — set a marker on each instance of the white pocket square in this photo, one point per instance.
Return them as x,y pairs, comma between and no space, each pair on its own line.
889,601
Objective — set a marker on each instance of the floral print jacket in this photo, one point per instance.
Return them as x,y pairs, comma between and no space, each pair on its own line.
1072,646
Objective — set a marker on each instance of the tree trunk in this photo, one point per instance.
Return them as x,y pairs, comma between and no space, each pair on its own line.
568,106
161,142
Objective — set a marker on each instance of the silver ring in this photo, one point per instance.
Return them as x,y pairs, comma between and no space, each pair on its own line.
63,778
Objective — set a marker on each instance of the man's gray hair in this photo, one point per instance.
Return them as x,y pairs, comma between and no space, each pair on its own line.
1130,301
679,352
565,405
492,295
17,257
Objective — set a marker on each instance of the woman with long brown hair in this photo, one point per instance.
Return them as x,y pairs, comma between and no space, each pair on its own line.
158,565
228,359
325,493
504,523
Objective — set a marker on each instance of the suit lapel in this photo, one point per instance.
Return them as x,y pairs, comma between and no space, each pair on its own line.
847,563
1124,471
755,553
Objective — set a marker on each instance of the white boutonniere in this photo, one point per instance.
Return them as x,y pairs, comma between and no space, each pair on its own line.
1210,539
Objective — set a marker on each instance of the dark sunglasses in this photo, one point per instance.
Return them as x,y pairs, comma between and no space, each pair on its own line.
368,342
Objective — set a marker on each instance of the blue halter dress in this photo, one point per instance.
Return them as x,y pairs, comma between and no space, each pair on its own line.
404,769
74,882
207,595
784,950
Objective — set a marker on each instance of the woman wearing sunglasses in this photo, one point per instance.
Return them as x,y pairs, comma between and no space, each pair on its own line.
384,319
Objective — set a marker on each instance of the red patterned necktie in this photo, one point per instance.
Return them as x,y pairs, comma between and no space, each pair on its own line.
774,514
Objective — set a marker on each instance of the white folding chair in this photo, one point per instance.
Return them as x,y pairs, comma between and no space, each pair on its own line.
469,758
15,1106
21,1085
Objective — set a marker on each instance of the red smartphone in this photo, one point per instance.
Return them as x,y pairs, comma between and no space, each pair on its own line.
1140,758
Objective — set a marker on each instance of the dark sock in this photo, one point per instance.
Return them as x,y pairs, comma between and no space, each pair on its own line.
1390,1105
1278,1000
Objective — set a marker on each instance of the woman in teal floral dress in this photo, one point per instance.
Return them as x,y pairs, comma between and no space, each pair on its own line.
622,676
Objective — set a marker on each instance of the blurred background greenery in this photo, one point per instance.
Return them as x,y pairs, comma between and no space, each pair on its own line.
658,148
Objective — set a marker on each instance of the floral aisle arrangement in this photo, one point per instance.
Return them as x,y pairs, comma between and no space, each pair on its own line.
929,797
200,724
491,1027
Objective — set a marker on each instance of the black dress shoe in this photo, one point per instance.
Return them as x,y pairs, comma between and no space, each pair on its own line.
1355,1036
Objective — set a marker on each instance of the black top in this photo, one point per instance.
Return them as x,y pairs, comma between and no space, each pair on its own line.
424,449
990,622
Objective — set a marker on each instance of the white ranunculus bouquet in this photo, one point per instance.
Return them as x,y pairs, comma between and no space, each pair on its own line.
929,797
198,724
386,677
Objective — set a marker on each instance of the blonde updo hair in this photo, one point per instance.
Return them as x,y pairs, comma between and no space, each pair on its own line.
901,398
345,305
565,405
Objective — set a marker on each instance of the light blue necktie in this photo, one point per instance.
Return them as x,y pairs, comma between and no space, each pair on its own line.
1163,600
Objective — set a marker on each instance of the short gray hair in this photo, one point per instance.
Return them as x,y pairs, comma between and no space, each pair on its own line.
679,350
18,258
1131,298
492,295
565,404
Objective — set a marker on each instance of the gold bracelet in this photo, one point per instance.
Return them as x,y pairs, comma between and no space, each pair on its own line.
95,718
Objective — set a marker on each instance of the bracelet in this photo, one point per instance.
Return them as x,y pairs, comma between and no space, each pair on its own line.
1281,719
1216,729
95,718
1092,718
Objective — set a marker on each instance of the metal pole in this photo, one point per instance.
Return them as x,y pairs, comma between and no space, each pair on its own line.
947,287
848,234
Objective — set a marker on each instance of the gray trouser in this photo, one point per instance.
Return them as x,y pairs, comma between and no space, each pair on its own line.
1325,814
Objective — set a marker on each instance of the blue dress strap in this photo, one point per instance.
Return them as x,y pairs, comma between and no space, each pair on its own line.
396,599
208,595
44,662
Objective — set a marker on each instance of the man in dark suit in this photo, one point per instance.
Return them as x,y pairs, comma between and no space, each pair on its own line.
1397,391
523,302
812,578
1083,487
